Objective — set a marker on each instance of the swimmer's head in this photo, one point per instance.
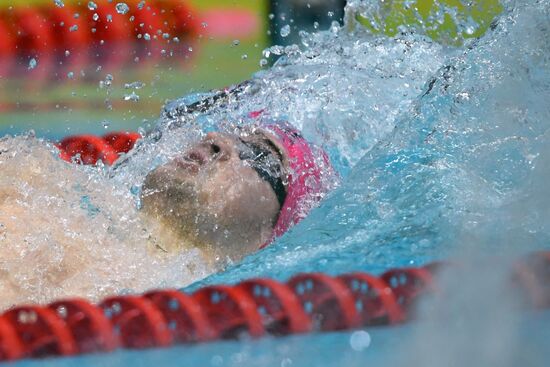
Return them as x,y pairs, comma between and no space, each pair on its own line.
232,193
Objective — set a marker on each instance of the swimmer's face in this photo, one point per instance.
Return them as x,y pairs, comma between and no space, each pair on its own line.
222,194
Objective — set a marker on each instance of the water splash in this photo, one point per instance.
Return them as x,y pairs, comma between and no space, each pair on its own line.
113,252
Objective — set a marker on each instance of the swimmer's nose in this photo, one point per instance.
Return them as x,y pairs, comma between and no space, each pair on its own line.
218,146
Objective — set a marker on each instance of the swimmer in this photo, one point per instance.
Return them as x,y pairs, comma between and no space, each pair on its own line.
231,194
220,199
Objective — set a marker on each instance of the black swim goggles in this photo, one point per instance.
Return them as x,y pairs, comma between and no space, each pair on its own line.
260,155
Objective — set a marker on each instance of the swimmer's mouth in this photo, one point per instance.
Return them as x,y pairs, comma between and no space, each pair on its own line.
186,164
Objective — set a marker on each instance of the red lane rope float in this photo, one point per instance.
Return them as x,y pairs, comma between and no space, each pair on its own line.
279,307
186,321
7,45
11,347
41,331
7,49
70,31
106,24
408,284
89,149
137,322
180,17
89,326
306,302
34,33
375,301
231,311
328,301
121,142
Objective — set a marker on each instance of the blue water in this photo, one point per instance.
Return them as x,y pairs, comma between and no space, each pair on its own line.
443,152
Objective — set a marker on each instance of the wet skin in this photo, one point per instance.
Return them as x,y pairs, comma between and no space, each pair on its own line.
213,199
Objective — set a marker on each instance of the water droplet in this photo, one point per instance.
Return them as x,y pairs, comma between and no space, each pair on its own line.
134,85
106,124
204,24
95,17
109,18
285,31
271,16
92,5
70,75
360,340
58,3
236,42
122,8
76,15
140,5
244,56
330,14
67,53
131,97
263,63
32,63
107,82
73,28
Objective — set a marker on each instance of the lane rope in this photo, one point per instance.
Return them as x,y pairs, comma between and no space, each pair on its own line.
254,308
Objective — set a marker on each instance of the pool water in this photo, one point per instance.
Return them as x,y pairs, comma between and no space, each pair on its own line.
444,152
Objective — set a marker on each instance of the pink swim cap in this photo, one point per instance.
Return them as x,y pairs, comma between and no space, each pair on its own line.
310,176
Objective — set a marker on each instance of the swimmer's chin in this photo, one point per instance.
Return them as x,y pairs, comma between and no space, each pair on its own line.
168,179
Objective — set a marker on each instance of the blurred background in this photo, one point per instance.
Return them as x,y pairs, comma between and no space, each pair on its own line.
75,66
